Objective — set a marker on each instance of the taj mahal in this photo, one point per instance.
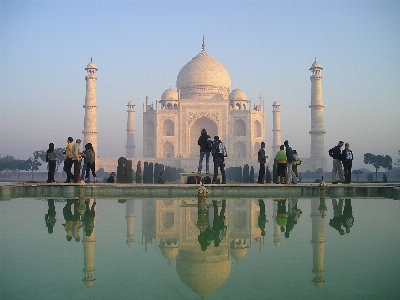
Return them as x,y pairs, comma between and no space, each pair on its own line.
203,99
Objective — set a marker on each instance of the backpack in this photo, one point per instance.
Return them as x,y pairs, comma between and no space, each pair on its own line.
222,150
207,180
209,143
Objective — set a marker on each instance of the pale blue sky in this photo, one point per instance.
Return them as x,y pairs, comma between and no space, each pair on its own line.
139,48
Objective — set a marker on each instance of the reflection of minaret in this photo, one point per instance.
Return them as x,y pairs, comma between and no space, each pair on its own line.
276,128
130,222
90,124
89,242
130,131
317,158
318,243
277,228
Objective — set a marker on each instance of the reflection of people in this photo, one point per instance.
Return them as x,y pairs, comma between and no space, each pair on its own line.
88,217
76,222
293,215
111,179
51,158
262,218
281,216
336,154
347,160
68,217
262,159
50,217
205,144
219,229
218,159
161,178
348,219
336,221
280,158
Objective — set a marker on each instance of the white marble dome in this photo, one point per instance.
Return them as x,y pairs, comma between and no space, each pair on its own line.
315,65
237,94
203,75
91,65
169,94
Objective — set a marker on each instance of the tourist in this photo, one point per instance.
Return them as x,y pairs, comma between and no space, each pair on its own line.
76,159
291,177
161,178
296,162
68,160
51,159
111,179
347,157
280,158
218,159
336,154
262,159
90,160
85,161
205,144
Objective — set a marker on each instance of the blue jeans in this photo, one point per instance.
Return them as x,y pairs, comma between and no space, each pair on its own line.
207,154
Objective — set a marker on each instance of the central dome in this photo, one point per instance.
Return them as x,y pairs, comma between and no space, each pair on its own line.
203,75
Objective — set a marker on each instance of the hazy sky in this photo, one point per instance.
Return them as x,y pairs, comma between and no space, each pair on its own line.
139,48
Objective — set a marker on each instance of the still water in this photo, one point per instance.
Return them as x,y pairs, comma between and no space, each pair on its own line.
175,249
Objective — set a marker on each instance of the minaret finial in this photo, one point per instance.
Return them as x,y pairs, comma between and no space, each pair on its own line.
203,45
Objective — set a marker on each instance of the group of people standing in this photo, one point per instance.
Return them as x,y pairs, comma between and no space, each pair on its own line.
73,158
341,159
286,159
213,147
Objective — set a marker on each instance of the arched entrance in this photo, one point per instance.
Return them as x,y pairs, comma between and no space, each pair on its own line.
195,132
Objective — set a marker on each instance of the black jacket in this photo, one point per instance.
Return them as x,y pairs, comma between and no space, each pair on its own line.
203,143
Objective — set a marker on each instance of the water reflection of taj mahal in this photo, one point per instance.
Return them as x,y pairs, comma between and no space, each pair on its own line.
173,227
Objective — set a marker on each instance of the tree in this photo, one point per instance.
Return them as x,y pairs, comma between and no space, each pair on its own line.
397,163
357,173
32,164
378,161
139,172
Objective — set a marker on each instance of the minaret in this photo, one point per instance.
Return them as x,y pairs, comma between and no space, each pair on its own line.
276,128
130,222
90,124
130,131
317,157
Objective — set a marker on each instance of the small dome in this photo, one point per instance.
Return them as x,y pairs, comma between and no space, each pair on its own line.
315,65
91,65
131,103
203,74
237,94
276,103
169,94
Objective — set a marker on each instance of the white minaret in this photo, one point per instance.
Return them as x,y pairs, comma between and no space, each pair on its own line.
130,131
276,128
90,124
317,157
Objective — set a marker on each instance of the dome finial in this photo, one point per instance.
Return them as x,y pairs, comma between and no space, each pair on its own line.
90,58
203,45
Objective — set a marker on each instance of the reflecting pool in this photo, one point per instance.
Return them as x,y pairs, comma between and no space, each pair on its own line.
197,249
